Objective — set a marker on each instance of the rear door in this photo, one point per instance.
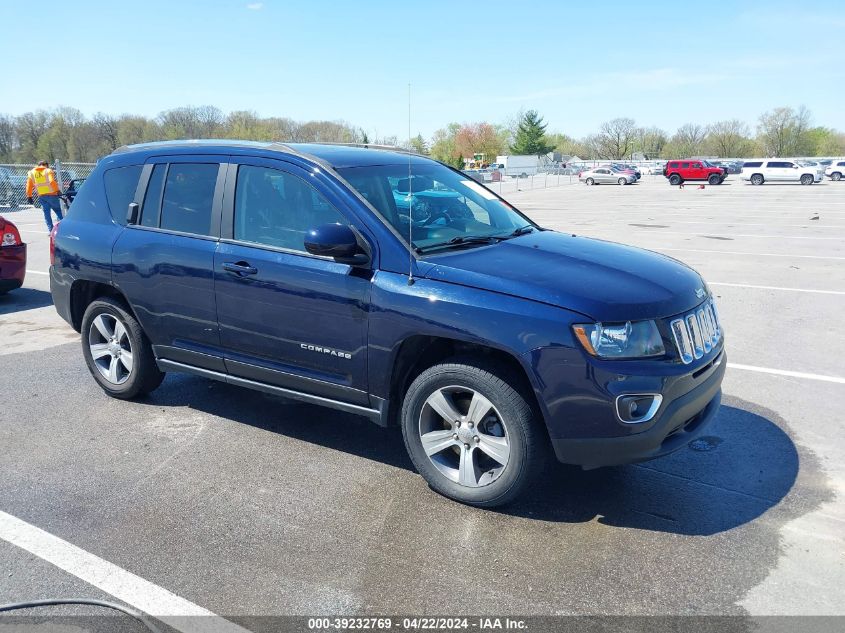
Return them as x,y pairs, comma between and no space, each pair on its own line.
164,262
288,318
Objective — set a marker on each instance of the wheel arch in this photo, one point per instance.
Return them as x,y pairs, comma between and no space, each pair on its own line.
417,353
83,292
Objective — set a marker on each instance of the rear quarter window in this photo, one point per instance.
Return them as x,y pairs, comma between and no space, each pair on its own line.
673,165
120,184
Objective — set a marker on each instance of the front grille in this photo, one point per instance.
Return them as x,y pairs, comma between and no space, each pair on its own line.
697,333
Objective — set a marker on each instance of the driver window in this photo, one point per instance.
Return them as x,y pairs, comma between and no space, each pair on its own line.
275,208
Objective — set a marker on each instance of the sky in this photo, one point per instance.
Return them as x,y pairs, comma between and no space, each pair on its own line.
578,64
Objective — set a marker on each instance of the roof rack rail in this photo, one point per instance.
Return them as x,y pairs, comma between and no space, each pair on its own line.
392,148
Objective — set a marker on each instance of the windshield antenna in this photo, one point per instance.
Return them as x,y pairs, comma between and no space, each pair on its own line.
410,200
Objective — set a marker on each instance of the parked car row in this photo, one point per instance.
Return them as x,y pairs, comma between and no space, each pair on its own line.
608,175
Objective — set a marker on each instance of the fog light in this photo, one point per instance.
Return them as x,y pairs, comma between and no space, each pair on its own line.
635,408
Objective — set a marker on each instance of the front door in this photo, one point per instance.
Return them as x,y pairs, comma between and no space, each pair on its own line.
286,317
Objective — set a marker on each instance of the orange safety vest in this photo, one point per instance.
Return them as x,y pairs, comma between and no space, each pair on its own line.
43,180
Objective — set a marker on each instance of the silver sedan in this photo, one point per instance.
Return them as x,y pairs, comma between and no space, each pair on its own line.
606,176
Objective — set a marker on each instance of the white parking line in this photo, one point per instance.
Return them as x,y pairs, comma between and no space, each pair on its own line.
785,372
732,235
35,272
116,581
30,231
702,250
822,292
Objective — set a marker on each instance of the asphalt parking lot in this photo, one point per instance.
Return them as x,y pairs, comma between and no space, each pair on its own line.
245,504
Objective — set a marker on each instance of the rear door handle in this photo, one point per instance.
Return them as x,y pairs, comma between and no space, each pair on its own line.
241,269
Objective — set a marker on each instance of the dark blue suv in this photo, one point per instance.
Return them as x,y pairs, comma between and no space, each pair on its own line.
390,286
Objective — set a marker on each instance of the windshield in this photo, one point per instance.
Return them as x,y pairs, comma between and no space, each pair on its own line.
442,206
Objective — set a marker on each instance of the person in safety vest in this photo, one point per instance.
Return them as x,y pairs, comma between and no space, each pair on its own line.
43,180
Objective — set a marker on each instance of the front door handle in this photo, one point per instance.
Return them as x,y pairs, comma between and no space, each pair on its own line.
241,269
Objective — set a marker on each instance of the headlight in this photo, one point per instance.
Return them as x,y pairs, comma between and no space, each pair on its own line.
640,339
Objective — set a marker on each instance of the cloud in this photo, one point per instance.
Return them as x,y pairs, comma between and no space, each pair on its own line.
255,6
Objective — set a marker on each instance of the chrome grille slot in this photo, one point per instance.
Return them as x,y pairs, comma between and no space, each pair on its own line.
696,333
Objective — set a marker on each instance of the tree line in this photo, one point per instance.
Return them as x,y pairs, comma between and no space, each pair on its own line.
67,134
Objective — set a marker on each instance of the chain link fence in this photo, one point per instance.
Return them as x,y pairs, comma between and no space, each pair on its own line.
13,182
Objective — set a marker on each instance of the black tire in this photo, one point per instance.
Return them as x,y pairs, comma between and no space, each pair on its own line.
675,179
714,179
807,179
757,179
836,176
590,181
527,440
622,181
144,375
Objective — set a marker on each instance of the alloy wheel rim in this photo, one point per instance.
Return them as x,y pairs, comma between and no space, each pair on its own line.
464,436
111,348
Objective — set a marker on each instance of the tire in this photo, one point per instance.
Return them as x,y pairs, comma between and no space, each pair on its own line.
622,181
836,176
455,389
807,179
757,179
675,179
109,330
590,181
714,179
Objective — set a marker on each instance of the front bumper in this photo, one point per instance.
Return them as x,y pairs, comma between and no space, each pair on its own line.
681,418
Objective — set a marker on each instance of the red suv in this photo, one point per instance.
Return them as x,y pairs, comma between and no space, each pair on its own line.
677,171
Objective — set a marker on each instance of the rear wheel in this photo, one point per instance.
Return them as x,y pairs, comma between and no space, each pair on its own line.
807,179
590,181
622,181
675,179
757,179
714,179
117,351
836,176
472,435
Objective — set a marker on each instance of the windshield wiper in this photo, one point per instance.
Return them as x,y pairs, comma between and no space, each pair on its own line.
461,240
523,230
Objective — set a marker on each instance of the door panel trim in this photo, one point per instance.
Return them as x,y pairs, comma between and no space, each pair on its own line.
297,382
190,357
372,414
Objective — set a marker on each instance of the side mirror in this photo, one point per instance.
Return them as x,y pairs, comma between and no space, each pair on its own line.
337,241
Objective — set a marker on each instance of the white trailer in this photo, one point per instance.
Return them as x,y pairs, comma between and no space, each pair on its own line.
519,165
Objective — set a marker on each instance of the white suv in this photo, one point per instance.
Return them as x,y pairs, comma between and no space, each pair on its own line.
778,170
836,170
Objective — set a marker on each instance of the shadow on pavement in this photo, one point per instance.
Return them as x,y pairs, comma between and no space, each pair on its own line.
742,467
24,299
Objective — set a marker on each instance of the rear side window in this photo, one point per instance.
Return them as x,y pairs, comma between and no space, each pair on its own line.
684,165
777,163
188,196
120,187
152,199
752,164
673,165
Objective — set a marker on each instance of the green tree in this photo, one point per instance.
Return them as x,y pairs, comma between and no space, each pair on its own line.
728,139
443,146
530,138
784,132
418,144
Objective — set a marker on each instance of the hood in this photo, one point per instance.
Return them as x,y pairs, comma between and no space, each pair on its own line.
603,280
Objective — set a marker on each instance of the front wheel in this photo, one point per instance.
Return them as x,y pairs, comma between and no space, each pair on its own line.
622,181
714,180
807,179
836,176
757,179
117,351
471,434
590,181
